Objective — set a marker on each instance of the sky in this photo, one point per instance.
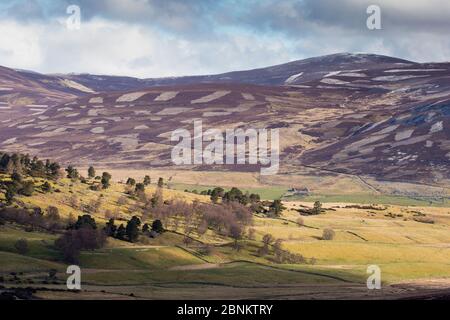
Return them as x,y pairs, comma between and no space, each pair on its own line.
163,38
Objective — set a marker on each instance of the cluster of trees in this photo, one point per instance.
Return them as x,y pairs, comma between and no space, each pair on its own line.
105,179
133,229
84,234
17,185
20,167
81,235
315,210
139,187
233,195
272,245
251,199
227,218
35,219
27,166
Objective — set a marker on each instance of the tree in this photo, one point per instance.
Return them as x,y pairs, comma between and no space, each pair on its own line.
72,173
160,182
46,187
21,246
216,193
110,228
147,180
27,189
106,177
254,198
53,214
16,177
145,228
235,232
73,241
234,195
85,221
157,226
121,232
317,208
157,198
276,207
139,188
10,194
132,229
268,239
131,182
91,172
53,170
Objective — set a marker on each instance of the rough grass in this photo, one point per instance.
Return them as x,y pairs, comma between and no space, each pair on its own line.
371,198
390,238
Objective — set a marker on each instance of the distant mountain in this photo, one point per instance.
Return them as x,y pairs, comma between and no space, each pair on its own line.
295,72
357,114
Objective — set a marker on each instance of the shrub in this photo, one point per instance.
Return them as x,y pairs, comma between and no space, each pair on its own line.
73,241
46,187
21,246
157,226
53,214
27,189
424,220
328,234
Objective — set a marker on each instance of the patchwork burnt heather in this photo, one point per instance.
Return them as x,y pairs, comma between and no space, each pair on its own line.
359,114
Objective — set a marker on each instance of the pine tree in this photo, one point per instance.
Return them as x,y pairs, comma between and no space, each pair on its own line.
131,182
91,172
157,226
72,173
106,177
132,229
139,188
110,228
121,232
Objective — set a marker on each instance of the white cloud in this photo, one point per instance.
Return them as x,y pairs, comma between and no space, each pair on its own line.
20,45
107,47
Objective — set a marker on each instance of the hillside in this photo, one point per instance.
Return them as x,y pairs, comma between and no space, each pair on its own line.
407,242
358,114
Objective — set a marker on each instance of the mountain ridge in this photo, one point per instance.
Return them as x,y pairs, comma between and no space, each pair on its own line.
357,114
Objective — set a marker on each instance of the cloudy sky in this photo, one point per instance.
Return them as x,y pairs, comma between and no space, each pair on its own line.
152,38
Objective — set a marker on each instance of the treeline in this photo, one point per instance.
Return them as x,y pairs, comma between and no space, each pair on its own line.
35,219
227,219
84,234
274,208
80,234
27,166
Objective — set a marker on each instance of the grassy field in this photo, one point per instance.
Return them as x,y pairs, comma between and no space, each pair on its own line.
388,234
266,193
378,199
